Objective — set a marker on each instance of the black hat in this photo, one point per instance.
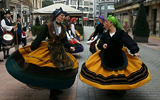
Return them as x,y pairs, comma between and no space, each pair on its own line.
7,11
18,16
66,14
57,12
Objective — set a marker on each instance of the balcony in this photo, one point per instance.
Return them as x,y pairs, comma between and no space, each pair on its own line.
124,3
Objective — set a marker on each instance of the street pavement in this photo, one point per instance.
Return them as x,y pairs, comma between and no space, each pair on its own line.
11,89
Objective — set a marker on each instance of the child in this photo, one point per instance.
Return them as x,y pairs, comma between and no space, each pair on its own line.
24,36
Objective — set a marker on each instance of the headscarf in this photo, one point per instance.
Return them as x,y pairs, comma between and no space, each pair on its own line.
114,21
57,12
72,19
66,14
101,17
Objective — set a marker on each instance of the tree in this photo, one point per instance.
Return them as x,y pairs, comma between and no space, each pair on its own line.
141,27
46,3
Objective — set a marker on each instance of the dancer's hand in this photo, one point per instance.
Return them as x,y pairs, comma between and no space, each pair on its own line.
136,55
72,48
104,46
30,50
92,38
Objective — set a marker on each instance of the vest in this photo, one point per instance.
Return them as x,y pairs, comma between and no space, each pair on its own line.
52,33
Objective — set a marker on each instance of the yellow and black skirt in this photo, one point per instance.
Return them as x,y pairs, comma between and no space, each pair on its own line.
35,68
133,76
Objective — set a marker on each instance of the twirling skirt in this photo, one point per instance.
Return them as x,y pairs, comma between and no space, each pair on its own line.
35,69
133,76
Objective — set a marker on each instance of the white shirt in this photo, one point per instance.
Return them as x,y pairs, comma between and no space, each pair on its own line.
3,24
73,29
111,34
69,36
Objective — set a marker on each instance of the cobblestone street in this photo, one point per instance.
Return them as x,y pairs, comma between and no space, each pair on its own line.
11,89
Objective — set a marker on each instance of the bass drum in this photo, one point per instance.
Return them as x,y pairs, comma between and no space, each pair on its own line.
7,39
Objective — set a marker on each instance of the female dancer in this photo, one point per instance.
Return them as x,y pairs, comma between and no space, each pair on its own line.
113,68
98,31
46,64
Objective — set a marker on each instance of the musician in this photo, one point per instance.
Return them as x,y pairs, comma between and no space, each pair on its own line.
17,39
6,24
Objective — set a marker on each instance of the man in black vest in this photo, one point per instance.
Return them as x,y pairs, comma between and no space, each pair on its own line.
6,26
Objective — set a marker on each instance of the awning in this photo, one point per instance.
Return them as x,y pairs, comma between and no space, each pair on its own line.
85,19
134,13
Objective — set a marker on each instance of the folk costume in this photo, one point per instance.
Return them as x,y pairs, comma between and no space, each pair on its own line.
24,36
114,68
6,26
98,31
74,42
18,35
48,65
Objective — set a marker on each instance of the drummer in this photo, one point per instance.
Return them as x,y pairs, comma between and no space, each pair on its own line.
6,24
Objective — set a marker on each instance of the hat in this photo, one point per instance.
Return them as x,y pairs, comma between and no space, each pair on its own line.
57,12
7,11
66,14
18,16
101,17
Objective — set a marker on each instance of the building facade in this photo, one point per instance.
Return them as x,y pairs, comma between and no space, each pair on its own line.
106,7
126,10
86,6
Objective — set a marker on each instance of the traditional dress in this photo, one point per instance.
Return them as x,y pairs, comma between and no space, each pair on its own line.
114,68
48,65
7,29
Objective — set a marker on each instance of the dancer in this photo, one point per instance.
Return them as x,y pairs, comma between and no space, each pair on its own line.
46,64
113,68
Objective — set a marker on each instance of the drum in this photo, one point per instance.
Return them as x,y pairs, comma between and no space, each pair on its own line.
7,38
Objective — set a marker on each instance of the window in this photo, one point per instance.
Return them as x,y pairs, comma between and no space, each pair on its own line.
111,7
91,15
91,9
86,3
97,7
91,3
102,7
97,13
80,8
84,15
73,7
85,8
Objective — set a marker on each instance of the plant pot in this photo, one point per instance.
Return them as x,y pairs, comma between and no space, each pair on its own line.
140,39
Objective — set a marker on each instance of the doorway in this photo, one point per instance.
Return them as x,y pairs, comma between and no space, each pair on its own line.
154,20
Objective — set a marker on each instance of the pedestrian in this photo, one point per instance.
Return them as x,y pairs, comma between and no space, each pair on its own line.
126,27
18,35
113,68
24,37
46,64
8,29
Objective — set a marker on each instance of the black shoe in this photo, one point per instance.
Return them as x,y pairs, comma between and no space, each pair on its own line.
5,57
58,91
120,94
8,56
1,60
